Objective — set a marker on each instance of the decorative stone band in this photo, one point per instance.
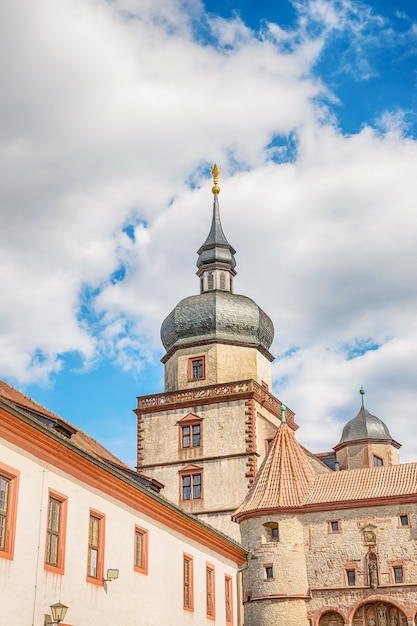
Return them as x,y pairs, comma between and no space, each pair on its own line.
210,394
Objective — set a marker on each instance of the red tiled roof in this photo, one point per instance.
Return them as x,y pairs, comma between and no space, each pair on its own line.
285,477
367,483
288,480
80,438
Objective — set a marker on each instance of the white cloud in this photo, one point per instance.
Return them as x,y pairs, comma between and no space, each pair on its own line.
110,115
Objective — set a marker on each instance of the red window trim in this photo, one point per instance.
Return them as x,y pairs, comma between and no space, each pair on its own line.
145,535
191,471
190,560
400,525
60,568
330,529
14,476
351,569
228,593
190,420
100,557
393,565
190,368
210,598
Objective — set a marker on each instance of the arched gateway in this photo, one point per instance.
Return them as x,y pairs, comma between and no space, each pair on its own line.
370,614
379,614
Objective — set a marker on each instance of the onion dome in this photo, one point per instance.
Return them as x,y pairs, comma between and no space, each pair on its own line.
217,314
365,426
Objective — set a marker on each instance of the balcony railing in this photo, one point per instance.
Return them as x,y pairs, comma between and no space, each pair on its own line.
233,390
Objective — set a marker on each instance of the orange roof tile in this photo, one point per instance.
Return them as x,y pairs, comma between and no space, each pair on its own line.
288,480
367,483
285,477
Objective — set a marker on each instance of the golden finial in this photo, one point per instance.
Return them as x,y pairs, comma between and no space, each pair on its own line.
215,171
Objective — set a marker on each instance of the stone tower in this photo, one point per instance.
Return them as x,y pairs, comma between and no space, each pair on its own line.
205,436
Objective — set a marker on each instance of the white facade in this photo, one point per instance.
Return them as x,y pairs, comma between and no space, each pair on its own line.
45,464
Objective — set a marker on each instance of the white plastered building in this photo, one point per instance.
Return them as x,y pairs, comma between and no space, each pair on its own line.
72,516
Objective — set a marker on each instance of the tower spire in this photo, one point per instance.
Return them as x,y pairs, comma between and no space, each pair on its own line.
216,262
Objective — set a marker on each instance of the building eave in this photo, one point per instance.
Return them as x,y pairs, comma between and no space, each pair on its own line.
21,430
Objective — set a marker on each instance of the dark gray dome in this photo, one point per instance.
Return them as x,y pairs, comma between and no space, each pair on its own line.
217,316
365,426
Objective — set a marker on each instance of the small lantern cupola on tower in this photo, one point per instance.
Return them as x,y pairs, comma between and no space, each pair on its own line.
216,262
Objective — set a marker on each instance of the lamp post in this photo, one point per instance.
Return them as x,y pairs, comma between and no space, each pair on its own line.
58,612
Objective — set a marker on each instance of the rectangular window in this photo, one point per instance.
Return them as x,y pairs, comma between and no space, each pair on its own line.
95,562
378,461
275,533
9,485
269,572
191,436
228,599
196,368
398,574
141,550
191,487
4,509
351,577
186,439
188,583
334,526
196,435
210,600
404,520
55,533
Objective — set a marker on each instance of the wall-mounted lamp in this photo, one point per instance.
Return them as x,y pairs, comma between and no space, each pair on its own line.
112,574
58,612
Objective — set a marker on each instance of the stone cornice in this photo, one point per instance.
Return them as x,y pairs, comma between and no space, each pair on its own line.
226,342
214,394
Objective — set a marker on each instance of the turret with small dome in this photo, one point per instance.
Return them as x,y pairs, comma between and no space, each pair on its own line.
366,442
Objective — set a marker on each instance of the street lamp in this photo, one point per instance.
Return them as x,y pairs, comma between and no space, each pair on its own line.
58,612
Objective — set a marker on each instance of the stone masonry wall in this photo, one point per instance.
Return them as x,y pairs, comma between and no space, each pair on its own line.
310,560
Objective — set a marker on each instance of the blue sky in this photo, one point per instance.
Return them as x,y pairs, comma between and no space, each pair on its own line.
111,116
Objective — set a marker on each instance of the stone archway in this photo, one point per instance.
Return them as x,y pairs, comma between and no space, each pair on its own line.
331,619
379,614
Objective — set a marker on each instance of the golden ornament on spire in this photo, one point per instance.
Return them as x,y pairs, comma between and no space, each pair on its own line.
215,171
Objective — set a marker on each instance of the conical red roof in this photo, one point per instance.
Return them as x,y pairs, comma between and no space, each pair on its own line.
284,479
